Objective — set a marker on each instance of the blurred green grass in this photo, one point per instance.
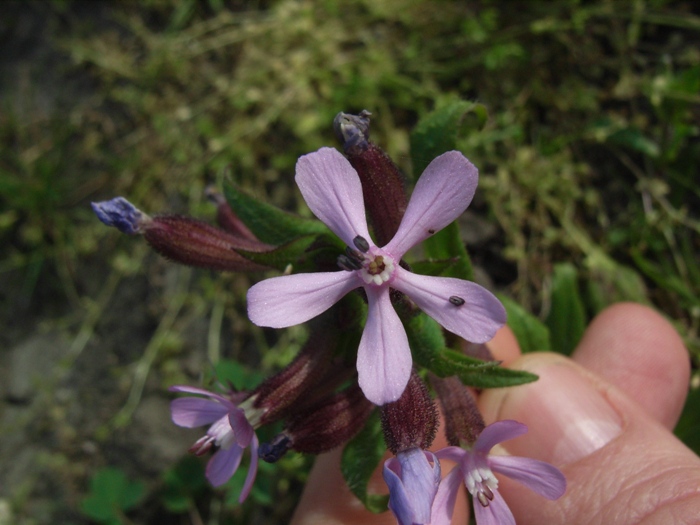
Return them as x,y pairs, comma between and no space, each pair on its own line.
589,156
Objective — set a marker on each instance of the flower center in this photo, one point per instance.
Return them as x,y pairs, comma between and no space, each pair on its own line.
371,264
481,483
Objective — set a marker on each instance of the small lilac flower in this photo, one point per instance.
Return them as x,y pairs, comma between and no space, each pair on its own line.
230,432
412,483
475,469
332,189
121,214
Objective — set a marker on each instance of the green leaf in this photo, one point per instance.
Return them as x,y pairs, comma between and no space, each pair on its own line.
688,427
447,244
183,484
270,224
238,375
110,494
429,350
567,318
306,253
360,459
531,333
433,267
437,132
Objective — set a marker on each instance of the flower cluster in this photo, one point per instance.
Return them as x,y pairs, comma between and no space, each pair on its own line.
373,324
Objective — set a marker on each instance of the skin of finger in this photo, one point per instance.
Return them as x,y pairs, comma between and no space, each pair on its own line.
638,351
645,475
327,499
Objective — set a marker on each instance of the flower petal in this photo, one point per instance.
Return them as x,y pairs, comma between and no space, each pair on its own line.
192,412
242,429
223,465
399,502
252,470
333,192
538,476
420,481
384,357
455,454
497,513
498,432
294,299
442,193
477,320
444,503
200,391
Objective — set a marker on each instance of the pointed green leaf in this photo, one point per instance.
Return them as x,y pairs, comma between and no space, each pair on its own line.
360,459
429,350
433,267
567,317
447,244
304,254
437,132
270,224
531,333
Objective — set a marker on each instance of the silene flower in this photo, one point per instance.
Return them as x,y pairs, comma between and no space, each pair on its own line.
413,483
475,468
229,435
332,190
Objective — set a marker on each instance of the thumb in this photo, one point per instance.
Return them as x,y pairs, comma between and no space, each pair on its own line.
621,465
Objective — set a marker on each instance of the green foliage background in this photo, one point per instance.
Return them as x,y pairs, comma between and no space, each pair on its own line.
586,139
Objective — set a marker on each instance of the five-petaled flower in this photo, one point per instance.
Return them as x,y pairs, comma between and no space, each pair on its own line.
230,434
475,469
333,192
413,483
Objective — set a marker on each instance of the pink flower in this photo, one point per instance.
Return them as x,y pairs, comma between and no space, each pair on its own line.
333,192
475,469
412,483
230,432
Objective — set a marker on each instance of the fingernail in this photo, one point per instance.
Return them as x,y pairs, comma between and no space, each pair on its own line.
568,418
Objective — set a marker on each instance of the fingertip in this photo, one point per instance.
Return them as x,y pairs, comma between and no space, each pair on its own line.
641,353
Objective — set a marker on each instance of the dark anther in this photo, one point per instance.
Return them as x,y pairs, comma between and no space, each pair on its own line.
361,243
348,264
457,301
431,231
275,449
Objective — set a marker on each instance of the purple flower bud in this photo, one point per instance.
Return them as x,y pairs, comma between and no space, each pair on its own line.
121,214
196,243
226,217
463,421
330,422
412,420
383,186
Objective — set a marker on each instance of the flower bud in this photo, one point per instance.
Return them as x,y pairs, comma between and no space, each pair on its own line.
382,183
463,421
298,382
196,243
226,217
121,214
412,420
323,426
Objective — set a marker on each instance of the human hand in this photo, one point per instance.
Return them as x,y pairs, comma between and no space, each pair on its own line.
613,443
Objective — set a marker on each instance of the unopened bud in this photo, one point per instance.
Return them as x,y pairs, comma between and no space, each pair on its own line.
382,183
352,130
274,450
121,214
196,243
278,394
227,218
410,421
463,421
329,423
